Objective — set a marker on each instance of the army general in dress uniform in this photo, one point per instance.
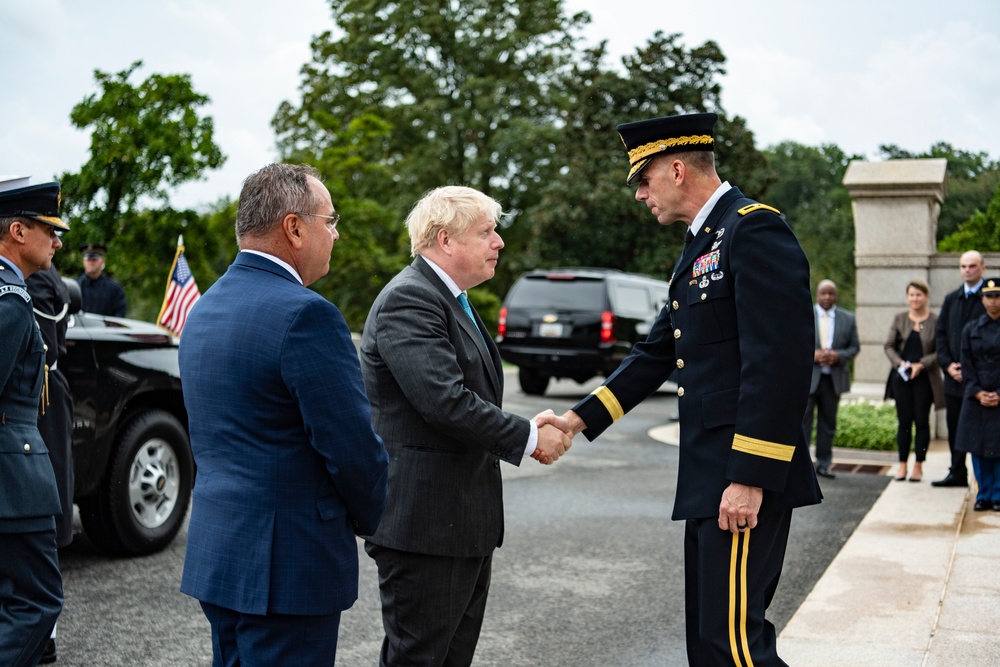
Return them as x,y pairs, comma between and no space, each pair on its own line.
739,332
30,583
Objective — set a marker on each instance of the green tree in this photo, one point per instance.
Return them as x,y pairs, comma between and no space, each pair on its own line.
980,232
410,95
587,215
808,189
971,180
145,139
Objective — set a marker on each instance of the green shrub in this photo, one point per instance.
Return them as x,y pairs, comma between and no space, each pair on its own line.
866,426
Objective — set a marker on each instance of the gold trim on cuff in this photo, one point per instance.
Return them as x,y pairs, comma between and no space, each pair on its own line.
771,450
611,403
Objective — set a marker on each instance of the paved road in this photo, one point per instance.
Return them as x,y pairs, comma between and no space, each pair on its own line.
590,573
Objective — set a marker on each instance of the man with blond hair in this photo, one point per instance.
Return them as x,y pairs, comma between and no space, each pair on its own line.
434,379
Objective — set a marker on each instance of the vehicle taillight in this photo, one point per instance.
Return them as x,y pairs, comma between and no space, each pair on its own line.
607,327
502,323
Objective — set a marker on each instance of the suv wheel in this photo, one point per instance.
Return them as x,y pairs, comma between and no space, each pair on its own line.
532,382
141,502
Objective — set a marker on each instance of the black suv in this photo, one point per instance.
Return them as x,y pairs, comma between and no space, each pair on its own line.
133,464
576,323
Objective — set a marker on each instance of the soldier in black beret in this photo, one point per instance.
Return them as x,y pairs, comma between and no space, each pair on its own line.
738,332
101,294
30,583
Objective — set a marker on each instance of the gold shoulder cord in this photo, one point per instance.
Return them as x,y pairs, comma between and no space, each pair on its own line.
45,387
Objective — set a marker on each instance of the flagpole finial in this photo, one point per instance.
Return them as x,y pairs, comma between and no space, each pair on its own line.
180,240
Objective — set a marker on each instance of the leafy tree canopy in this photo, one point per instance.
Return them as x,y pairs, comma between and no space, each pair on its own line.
145,138
809,191
406,96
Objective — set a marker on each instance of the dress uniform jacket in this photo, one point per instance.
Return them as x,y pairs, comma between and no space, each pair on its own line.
956,311
101,296
739,331
978,426
50,300
28,495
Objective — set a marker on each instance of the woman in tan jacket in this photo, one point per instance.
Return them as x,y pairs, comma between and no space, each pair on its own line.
915,379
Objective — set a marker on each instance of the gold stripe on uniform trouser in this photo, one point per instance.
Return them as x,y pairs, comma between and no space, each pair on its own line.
738,579
771,450
611,403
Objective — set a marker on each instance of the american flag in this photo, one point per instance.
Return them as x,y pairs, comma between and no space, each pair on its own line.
182,293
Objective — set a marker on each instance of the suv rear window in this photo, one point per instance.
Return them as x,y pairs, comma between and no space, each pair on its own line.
546,293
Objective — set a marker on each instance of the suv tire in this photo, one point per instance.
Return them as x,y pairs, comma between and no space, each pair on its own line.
532,382
142,501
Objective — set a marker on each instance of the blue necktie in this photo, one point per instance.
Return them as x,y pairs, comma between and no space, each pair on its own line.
467,307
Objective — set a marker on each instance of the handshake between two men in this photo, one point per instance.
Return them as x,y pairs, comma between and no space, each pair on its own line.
555,434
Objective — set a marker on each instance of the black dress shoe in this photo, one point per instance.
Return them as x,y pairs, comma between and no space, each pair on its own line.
982,505
49,654
952,480
825,472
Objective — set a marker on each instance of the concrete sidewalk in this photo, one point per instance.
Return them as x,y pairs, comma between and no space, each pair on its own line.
916,585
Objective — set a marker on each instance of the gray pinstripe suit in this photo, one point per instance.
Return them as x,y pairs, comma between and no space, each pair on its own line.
436,388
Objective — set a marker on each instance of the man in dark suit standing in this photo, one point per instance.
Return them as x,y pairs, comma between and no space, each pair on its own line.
289,467
738,333
435,382
101,294
31,594
836,345
959,308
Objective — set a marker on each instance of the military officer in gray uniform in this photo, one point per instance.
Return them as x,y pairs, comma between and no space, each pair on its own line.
739,333
30,584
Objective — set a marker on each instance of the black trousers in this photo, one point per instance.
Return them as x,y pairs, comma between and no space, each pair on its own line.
432,606
31,595
56,428
953,409
824,404
913,408
729,581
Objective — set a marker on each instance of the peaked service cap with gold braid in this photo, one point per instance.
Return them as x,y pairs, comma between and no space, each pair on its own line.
991,286
38,202
645,139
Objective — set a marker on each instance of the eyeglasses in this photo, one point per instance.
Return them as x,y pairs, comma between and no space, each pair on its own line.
334,219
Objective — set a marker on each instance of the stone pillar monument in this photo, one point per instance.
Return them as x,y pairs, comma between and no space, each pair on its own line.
896,205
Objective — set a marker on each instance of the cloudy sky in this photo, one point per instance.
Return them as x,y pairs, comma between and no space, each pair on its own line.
856,73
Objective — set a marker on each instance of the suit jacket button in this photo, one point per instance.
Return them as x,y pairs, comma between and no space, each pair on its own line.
703,296
677,333
27,447
680,391
680,363
675,305
496,464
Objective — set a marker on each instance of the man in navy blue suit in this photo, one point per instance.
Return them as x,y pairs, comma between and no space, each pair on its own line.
289,468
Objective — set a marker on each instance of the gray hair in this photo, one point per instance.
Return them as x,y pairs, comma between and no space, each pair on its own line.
7,221
271,193
454,208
